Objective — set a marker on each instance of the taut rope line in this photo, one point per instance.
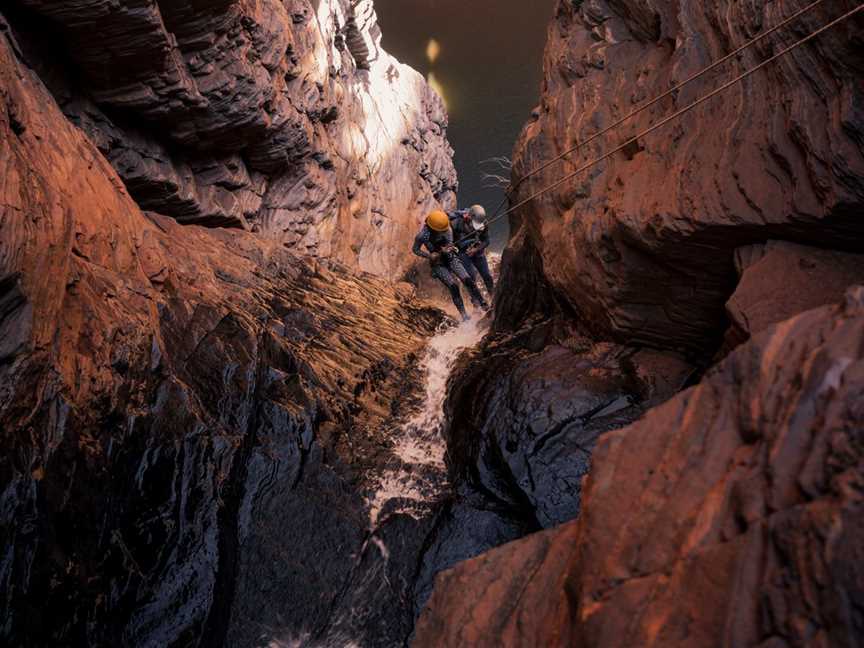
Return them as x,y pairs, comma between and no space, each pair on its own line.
675,115
656,100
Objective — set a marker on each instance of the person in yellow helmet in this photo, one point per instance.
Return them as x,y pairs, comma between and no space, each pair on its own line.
436,237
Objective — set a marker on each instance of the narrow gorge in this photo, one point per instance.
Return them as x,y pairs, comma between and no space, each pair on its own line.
235,411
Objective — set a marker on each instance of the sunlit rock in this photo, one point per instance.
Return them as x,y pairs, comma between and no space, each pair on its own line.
192,417
642,246
327,143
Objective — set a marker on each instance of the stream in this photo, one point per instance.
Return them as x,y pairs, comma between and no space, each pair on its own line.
418,475
410,516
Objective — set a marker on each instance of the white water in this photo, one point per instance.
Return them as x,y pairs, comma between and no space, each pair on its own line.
417,473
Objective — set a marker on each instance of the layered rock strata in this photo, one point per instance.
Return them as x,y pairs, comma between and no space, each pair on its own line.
188,415
730,516
642,246
527,408
286,118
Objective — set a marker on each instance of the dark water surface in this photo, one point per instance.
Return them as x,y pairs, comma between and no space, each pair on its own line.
489,69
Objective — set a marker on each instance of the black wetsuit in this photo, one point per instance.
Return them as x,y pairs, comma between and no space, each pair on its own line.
447,268
467,238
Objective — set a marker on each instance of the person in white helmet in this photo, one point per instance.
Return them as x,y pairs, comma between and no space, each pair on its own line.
471,237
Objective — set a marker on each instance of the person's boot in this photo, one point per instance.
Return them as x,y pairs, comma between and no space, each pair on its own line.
476,296
458,302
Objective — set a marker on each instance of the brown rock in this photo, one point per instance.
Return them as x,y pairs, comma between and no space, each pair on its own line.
182,410
254,116
730,516
780,279
642,246
509,596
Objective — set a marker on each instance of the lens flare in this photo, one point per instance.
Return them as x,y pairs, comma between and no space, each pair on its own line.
433,50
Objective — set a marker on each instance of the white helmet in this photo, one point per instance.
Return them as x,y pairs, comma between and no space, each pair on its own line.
478,217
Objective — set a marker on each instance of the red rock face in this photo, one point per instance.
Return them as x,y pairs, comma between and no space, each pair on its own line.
642,245
730,516
286,118
186,414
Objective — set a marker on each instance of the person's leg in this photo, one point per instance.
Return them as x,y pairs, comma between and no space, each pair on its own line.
459,270
443,274
481,263
468,264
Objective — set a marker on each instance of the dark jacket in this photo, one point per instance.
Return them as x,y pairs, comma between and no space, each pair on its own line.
464,233
434,242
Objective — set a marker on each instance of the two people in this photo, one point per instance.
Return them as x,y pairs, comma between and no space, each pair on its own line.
455,245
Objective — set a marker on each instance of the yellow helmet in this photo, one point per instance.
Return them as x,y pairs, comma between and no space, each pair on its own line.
438,221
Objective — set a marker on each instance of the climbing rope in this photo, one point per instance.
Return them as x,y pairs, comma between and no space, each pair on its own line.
670,92
653,102
676,115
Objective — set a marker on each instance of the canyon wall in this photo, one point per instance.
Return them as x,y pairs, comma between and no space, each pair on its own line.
286,118
190,413
642,246
730,516
722,256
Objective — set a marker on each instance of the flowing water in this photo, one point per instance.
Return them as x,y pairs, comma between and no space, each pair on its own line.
412,484
417,474
375,602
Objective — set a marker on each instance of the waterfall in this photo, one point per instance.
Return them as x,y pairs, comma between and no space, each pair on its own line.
418,474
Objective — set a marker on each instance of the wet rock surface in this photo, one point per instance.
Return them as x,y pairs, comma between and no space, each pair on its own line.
190,417
527,408
286,118
730,515
727,516
642,246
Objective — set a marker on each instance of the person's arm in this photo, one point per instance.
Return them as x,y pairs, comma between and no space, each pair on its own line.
480,242
419,241
449,247
484,240
458,234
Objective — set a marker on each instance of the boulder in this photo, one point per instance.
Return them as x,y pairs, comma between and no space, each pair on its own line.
642,246
729,516
781,279
526,410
